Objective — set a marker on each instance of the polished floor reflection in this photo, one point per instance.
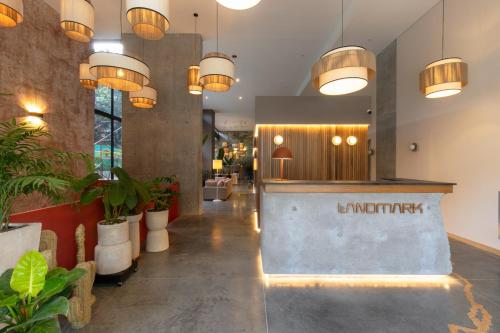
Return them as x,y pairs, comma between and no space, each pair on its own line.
210,281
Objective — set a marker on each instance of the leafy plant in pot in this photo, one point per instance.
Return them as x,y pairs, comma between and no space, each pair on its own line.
31,298
120,197
29,165
157,218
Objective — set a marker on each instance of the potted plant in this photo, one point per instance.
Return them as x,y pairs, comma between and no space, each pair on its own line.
31,298
113,253
157,217
27,166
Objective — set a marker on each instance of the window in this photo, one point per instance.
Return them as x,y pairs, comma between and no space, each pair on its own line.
107,131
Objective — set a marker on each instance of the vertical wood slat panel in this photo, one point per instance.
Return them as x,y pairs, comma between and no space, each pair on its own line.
315,157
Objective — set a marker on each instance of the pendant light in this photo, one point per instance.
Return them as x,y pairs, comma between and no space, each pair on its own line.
119,71
145,98
193,74
149,19
216,69
445,77
77,19
87,80
239,4
11,13
343,70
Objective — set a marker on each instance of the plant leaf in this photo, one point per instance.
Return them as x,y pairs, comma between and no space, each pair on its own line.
28,277
75,274
9,301
47,312
5,282
53,286
46,326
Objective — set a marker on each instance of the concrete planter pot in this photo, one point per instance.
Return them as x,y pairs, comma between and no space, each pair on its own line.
16,242
113,252
135,237
157,239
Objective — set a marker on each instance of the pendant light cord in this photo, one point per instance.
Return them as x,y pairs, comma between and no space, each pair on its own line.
342,23
121,23
217,18
194,36
442,35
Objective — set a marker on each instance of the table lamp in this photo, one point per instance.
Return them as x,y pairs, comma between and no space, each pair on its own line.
282,154
217,165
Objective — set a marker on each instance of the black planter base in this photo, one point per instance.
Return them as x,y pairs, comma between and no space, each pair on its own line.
117,278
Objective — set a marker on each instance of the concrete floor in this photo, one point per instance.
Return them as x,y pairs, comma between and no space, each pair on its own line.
210,281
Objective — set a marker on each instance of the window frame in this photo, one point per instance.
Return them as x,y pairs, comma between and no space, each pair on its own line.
112,117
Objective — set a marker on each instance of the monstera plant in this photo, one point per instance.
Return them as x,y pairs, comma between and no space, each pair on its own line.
31,297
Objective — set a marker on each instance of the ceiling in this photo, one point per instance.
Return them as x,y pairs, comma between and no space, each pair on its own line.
276,42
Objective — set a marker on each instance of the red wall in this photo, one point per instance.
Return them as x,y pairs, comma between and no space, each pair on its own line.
64,220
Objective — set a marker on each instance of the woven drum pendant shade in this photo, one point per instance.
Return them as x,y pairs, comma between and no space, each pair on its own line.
118,71
11,13
216,72
343,70
77,19
149,19
444,78
193,83
87,80
144,99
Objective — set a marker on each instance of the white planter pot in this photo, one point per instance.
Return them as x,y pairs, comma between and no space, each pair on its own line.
157,239
135,236
113,253
16,242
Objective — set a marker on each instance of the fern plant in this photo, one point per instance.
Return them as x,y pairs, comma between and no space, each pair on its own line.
27,166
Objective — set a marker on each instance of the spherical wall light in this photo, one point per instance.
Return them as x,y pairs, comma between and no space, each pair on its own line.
77,19
444,78
239,4
11,13
352,140
149,19
216,72
145,98
118,71
87,80
337,140
343,70
278,140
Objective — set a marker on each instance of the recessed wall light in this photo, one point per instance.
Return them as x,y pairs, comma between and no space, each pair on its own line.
240,98
352,140
238,79
206,97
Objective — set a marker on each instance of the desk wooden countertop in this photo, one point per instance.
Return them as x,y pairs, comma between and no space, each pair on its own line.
393,185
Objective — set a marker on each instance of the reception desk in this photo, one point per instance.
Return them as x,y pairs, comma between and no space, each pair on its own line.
387,227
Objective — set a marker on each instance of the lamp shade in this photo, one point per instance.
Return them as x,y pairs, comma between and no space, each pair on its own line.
217,164
282,153
149,19
216,72
343,70
145,98
193,81
444,78
77,19
118,71
11,13
239,4
87,80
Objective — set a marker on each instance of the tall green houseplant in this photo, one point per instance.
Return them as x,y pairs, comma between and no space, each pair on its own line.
28,165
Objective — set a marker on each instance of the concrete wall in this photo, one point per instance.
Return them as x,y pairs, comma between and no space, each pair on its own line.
458,136
386,112
167,139
312,110
40,65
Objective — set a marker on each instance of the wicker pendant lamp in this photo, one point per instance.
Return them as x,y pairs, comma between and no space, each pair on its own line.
11,13
239,4
87,80
445,77
149,19
145,98
193,74
77,19
217,69
343,70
